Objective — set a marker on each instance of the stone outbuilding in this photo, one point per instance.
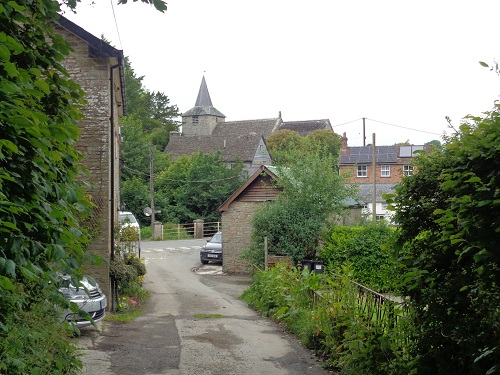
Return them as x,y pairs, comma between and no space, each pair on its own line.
98,68
236,217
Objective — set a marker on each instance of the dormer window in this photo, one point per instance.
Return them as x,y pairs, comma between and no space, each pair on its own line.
195,119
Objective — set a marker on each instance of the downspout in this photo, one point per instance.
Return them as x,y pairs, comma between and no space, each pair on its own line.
114,294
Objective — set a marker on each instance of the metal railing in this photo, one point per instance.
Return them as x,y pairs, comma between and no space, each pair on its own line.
365,305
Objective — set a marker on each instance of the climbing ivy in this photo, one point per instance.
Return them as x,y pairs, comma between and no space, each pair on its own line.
41,202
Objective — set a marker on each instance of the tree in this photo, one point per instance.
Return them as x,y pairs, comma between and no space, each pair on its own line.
433,143
137,195
449,215
312,192
194,186
152,110
149,120
325,142
285,142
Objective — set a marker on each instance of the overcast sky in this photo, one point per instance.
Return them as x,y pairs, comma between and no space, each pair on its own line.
404,66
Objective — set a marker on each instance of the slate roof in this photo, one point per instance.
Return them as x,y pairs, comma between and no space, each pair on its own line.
363,155
305,127
203,105
99,48
365,193
242,147
239,129
234,139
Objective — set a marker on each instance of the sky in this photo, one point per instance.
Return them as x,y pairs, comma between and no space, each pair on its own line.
403,66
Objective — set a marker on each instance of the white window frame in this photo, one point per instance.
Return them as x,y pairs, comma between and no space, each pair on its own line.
407,170
385,170
362,171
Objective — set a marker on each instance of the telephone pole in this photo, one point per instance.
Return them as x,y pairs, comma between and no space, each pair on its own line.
152,189
374,168
364,135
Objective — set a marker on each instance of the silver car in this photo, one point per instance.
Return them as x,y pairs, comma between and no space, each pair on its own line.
88,297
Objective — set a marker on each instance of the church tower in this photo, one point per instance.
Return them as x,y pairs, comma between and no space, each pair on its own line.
203,117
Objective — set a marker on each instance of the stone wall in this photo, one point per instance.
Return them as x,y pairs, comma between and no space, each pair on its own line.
94,142
236,231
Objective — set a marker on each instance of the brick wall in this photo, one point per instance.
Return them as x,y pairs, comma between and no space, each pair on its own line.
236,230
396,173
94,142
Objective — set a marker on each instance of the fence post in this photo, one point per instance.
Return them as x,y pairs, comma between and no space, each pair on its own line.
198,228
265,253
178,231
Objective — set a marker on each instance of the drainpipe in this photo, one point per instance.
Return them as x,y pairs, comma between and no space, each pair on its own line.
114,293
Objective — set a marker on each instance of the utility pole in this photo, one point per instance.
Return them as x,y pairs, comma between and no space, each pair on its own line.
151,189
374,168
364,136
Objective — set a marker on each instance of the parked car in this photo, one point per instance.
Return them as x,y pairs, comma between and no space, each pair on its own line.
128,220
212,250
88,297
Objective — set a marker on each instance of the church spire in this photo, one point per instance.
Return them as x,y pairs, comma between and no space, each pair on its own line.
203,99
203,117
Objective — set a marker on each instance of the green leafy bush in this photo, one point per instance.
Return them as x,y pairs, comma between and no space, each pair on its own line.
370,251
449,215
328,315
312,192
33,338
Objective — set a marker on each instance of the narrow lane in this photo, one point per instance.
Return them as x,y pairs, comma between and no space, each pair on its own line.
194,324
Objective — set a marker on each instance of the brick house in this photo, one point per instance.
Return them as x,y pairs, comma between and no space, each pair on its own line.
204,128
391,164
98,69
236,216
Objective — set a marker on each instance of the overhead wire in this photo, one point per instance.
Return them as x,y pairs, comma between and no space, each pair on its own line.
386,123
116,25
184,181
404,127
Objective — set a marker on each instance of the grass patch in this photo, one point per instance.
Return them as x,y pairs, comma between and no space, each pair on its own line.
208,316
125,316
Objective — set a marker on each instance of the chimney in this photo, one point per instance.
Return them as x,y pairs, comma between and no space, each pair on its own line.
344,150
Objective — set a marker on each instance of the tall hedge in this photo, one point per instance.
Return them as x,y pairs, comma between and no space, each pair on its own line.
449,214
367,250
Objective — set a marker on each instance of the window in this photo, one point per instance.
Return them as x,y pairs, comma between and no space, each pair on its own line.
362,171
385,171
407,170
195,119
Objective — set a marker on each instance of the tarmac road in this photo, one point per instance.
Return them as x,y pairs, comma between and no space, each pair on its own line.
193,324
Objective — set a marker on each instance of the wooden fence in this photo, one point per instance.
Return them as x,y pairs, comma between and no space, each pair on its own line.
198,229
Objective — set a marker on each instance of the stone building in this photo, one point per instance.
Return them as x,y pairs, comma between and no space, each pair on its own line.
204,128
98,69
236,216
